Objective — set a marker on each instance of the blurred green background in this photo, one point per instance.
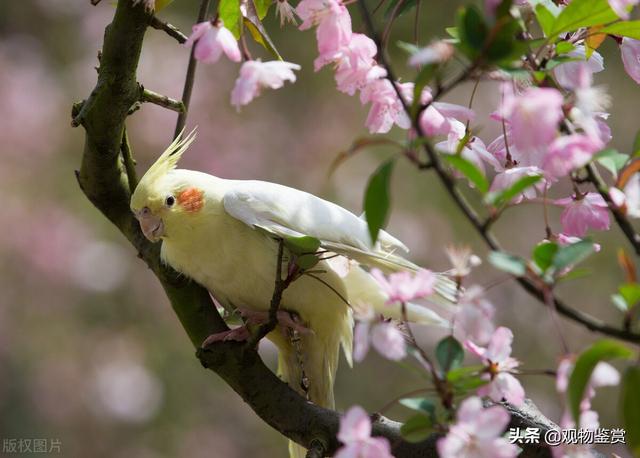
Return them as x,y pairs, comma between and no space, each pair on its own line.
90,351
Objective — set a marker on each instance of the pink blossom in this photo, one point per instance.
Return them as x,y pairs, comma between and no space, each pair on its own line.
628,199
256,75
356,66
355,435
474,151
500,364
477,433
603,375
386,108
622,7
436,52
568,153
590,104
568,73
474,318
533,118
333,21
462,260
438,117
630,50
508,177
406,286
581,214
211,41
388,341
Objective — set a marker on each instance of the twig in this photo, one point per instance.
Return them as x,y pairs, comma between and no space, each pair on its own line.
276,299
630,233
129,162
162,100
591,323
445,394
169,29
191,74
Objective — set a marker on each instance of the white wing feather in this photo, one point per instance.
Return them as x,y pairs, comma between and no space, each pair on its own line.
284,211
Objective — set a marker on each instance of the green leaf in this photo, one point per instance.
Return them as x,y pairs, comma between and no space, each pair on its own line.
423,405
570,255
455,375
630,292
505,45
582,13
543,255
377,199
564,47
452,32
426,74
262,7
602,350
229,11
302,245
630,407
545,19
629,29
449,354
307,261
409,48
554,62
575,274
470,383
612,160
508,263
472,30
416,428
499,198
257,30
469,170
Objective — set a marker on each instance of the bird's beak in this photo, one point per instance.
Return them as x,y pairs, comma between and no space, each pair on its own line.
151,225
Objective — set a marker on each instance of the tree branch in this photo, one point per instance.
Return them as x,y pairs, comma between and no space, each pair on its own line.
169,29
162,100
105,182
191,74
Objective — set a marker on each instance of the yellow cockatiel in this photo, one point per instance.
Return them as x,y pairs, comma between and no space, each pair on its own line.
224,234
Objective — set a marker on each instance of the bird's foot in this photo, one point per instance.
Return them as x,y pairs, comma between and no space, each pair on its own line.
239,334
286,319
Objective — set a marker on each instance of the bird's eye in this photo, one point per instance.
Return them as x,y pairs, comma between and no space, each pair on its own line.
169,201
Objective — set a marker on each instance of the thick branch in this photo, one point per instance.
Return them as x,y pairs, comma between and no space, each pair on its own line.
104,180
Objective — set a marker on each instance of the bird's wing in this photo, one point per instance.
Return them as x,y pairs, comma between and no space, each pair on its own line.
286,212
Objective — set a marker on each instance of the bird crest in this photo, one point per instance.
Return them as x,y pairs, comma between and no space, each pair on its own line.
168,160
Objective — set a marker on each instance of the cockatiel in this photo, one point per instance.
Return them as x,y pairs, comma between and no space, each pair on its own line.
224,234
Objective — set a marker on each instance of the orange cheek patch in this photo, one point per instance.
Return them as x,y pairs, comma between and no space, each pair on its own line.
191,199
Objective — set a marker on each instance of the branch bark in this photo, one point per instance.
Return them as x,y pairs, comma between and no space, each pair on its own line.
103,178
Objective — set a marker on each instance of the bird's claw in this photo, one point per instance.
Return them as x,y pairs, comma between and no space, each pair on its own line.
286,319
239,334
